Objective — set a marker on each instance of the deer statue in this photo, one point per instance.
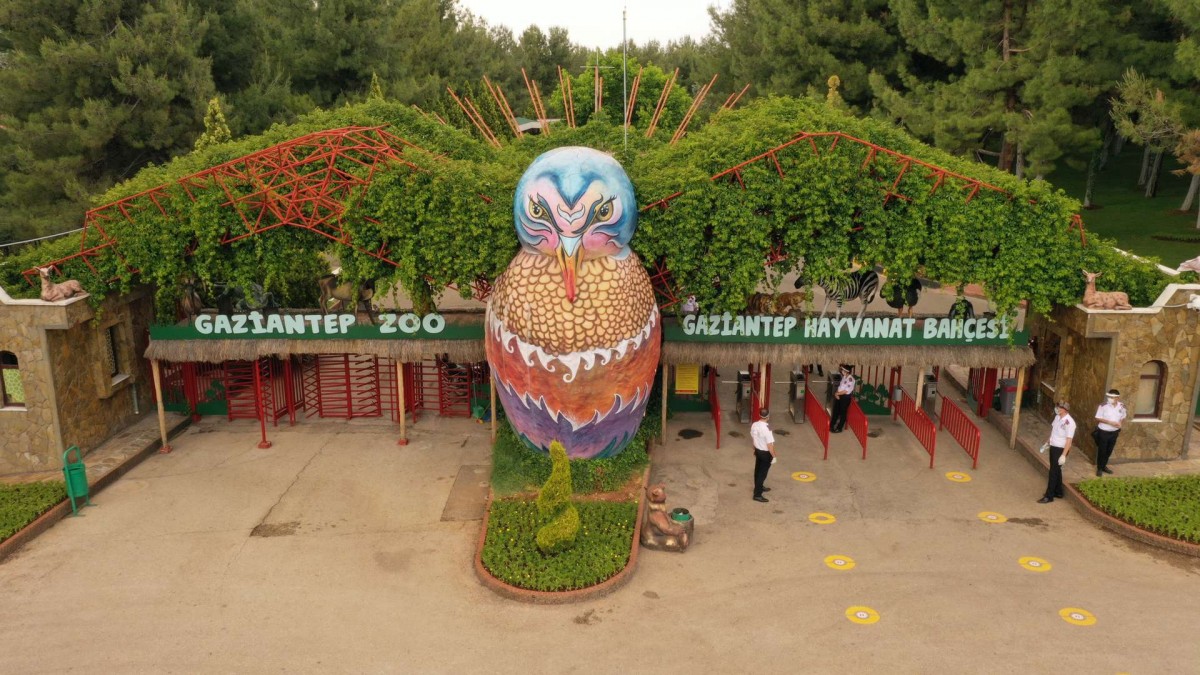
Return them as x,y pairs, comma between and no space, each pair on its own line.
52,292
190,303
1192,265
335,296
1093,299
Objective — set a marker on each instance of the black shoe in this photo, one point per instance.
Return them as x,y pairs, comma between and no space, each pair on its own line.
766,489
1045,500
1059,497
1098,473
762,499
1106,470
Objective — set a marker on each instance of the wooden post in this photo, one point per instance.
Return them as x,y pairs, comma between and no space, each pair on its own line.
662,432
492,395
162,414
920,386
1016,417
400,403
763,396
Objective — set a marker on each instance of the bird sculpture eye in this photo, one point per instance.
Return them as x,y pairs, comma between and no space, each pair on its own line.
605,211
536,210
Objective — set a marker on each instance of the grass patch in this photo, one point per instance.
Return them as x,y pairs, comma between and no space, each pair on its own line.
22,504
1169,506
1138,224
601,548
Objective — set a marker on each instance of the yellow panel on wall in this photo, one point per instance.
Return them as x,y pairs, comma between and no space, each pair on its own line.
687,378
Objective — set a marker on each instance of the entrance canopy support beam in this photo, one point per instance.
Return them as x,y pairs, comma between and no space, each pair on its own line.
1016,421
662,431
162,413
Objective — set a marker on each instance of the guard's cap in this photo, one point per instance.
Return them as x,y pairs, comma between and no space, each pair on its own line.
1113,393
846,367
1064,405
764,413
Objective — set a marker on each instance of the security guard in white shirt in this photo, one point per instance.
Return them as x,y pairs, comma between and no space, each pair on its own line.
842,398
1109,417
1062,432
764,453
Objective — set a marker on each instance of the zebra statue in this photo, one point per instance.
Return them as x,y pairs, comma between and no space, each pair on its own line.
862,285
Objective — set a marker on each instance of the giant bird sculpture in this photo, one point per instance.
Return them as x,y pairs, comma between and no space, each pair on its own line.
573,332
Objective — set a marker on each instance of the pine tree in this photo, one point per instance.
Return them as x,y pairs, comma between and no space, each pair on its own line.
1143,115
93,92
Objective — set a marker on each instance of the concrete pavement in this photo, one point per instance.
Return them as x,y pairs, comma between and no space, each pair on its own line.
332,552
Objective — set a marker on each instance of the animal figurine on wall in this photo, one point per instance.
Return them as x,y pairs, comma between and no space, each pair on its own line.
1192,265
572,329
233,299
904,296
962,308
336,296
1093,299
861,285
52,292
781,304
190,303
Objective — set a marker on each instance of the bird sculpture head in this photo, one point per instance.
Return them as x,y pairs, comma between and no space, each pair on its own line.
575,204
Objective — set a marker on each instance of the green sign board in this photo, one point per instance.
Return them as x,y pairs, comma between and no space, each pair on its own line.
735,328
258,326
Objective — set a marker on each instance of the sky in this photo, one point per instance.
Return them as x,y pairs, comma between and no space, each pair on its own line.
597,23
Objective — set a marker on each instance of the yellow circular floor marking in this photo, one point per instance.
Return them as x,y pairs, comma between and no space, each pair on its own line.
958,477
991,517
822,518
840,562
1034,564
804,476
860,614
1079,617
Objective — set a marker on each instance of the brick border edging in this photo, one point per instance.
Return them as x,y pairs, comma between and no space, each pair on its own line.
60,510
603,588
1093,514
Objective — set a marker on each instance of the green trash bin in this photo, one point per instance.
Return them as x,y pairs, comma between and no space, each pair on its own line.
75,476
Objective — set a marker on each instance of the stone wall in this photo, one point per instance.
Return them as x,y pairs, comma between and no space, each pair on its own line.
93,404
1102,350
57,345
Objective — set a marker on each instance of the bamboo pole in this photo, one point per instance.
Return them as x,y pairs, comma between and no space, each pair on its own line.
400,403
492,396
662,101
920,386
662,432
1016,419
162,413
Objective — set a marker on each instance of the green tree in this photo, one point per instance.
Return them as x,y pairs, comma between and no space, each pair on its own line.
1143,114
94,91
790,47
1020,77
554,505
216,130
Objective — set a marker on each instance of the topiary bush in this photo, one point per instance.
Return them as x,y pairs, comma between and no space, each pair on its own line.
554,505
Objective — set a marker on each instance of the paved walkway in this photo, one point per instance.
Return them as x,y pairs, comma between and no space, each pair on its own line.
334,551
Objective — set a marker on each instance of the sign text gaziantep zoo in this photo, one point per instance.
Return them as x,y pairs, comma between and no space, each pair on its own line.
865,330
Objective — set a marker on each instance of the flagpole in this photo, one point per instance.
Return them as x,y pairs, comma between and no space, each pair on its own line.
624,78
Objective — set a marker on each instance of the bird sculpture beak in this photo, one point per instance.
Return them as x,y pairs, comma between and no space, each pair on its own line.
568,261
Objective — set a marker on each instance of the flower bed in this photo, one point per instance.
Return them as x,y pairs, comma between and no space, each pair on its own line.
517,469
601,550
21,504
1169,506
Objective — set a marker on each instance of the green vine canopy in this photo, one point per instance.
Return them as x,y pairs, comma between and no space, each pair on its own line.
448,222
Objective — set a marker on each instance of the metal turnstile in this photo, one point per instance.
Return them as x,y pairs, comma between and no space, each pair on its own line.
797,390
743,396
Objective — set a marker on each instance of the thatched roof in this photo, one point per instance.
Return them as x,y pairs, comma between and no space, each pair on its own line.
866,355
217,351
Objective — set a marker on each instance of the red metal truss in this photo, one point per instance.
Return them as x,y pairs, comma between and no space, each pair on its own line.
305,182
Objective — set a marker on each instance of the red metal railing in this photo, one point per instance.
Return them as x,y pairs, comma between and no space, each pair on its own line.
954,420
856,419
816,414
917,422
714,402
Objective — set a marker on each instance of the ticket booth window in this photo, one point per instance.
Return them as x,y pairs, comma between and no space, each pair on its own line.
1150,390
12,392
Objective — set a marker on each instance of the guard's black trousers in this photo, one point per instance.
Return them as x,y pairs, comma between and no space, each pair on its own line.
841,406
762,464
1105,441
1054,487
